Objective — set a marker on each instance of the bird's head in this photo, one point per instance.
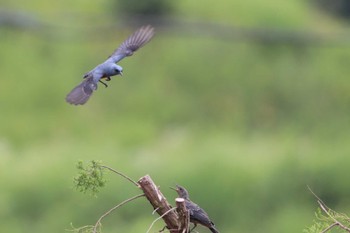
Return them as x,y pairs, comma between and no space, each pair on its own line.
181,191
117,69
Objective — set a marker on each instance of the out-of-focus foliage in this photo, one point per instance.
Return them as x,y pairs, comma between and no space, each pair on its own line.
340,8
242,122
150,7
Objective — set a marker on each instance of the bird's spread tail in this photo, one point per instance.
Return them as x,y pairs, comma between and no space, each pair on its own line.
81,93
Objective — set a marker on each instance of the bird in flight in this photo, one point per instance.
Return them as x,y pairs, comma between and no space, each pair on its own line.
81,93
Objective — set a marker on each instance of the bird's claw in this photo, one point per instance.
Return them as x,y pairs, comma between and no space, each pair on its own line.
107,79
103,83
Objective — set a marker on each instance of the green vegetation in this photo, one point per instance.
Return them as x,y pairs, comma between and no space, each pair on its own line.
244,125
90,178
328,220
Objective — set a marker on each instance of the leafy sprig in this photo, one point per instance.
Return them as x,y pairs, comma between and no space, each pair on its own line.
90,178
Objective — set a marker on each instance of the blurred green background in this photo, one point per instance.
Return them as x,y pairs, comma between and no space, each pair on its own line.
244,103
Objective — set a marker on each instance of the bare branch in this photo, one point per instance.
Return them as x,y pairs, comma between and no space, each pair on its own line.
154,211
328,211
87,228
121,174
160,218
159,203
329,227
330,215
318,199
184,217
98,223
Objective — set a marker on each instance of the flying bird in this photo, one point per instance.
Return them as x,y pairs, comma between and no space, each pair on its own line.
81,93
197,214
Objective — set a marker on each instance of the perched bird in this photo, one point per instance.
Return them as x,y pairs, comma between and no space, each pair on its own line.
197,214
81,93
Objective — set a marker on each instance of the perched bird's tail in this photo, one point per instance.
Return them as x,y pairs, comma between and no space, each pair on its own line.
213,229
81,93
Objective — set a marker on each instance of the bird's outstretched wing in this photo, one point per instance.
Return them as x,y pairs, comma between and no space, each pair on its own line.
81,93
133,43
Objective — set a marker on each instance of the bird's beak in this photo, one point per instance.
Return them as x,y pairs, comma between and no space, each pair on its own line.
173,188
121,73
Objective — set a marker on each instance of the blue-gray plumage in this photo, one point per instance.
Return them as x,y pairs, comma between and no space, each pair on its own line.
197,214
81,93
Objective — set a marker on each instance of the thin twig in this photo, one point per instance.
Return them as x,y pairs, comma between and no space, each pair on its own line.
121,174
155,210
329,227
318,199
80,229
174,208
335,221
98,223
326,209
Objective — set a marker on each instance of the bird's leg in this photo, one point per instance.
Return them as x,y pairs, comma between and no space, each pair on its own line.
162,229
195,225
103,83
107,79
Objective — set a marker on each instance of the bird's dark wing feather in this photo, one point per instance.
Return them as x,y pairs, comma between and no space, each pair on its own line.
81,93
198,215
133,43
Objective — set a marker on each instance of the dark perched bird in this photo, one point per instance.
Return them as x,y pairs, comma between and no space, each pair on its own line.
81,93
197,214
